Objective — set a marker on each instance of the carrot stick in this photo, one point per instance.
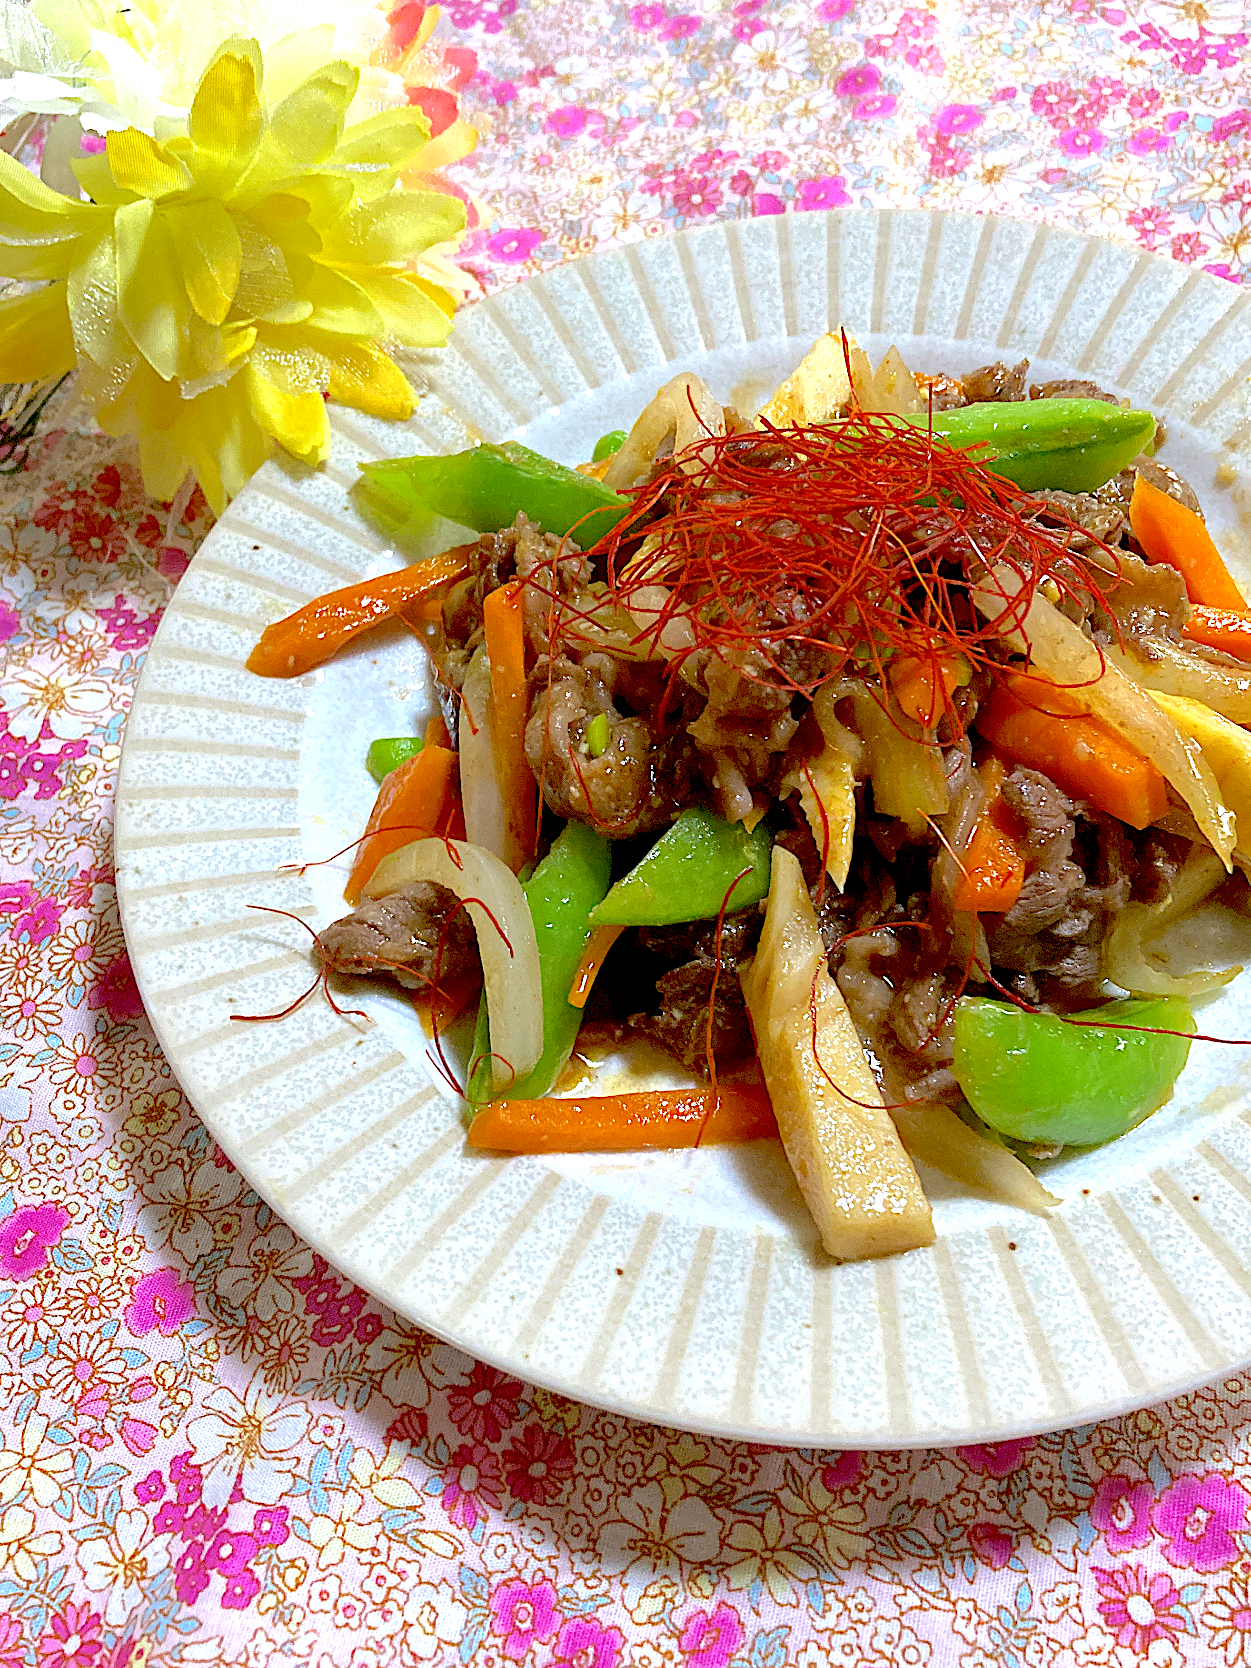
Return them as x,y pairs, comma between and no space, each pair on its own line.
598,945
655,1119
414,802
313,633
437,732
1226,629
1084,757
506,650
1169,532
993,870
923,688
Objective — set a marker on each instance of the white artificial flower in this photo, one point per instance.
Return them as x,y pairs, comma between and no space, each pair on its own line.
137,64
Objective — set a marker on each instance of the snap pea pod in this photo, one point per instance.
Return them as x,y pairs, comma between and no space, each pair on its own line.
1069,445
689,872
561,893
484,488
388,752
608,444
1037,1077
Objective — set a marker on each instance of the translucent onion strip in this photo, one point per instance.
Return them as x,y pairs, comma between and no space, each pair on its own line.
1059,650
506,943
684,410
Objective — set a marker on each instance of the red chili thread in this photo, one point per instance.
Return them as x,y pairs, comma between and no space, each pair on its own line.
322,979
844,545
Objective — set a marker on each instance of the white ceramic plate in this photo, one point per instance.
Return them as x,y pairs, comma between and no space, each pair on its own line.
684,1288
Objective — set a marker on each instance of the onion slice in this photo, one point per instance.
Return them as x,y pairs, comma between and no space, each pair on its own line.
506,945
684,409
1131,954
1062,652
1157,663
486,815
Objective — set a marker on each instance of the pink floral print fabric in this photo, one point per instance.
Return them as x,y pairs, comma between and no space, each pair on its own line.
216,1450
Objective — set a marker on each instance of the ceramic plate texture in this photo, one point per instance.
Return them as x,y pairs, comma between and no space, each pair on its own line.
683,1288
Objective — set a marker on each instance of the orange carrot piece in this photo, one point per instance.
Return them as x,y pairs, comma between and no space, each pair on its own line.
923,688
413,803
1083,756
506,649
993,870
598,945
437,732
1226,629
318,630
654,1119
1169,532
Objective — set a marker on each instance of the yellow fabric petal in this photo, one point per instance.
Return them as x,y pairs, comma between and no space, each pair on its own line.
35,336
226,119
298,422
139,164
225,440
266,289
409,314
151,299
209,254
443,299
340,305
363,377
309,121
394,228
452,144
96,178
390,140
39,229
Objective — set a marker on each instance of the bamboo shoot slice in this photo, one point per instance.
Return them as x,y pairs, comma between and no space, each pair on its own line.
850,1164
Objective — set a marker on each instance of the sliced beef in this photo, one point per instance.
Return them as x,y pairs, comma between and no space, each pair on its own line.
996,382
1120,489
635,786
522,551
1071,388
1139,599
1078,874
399,937
679,1019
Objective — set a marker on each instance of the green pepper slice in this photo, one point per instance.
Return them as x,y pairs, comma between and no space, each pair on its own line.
484,489
1069,445
561,893
1037,1077
608,444
689,872
388,753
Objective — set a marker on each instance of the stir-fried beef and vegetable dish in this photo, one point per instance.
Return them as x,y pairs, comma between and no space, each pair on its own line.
857,755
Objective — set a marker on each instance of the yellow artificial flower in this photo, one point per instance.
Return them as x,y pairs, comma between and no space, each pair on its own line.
217,285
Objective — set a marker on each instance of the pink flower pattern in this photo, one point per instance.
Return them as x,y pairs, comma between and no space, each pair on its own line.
404,1475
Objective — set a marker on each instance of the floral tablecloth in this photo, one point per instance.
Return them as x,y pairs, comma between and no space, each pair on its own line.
216,1450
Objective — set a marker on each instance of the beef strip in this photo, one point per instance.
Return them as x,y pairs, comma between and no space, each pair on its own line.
1120,489
996,382
398,937
1077,875
640,780
679,1020
1071,388
522,551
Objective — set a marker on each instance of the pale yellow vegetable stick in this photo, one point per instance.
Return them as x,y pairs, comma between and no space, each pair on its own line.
826,786
819,385
937,1136
896,389
851,1167
1227,749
